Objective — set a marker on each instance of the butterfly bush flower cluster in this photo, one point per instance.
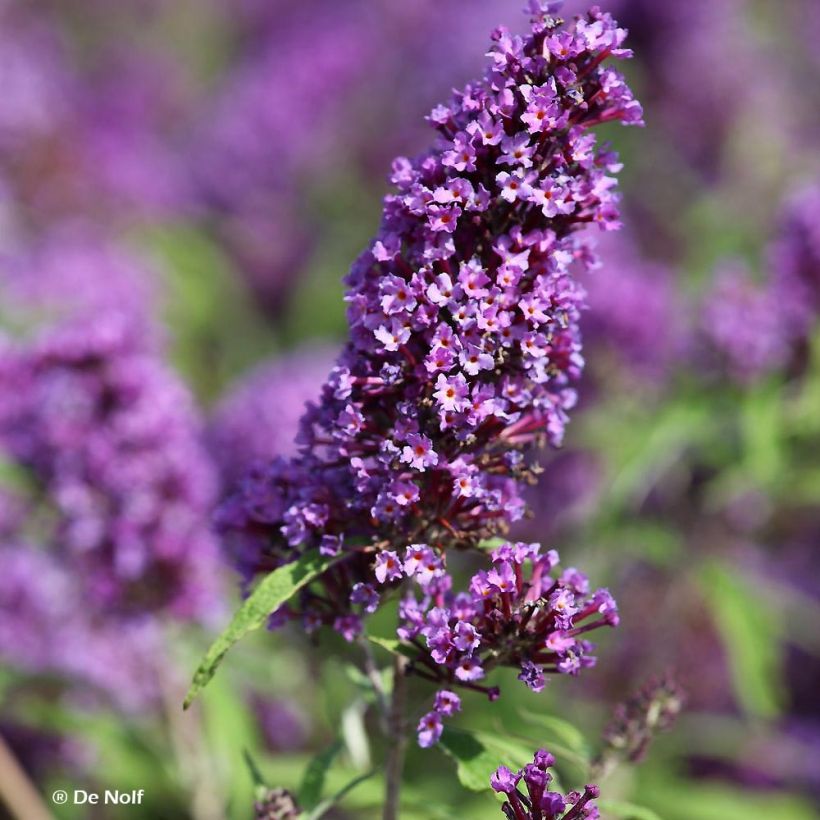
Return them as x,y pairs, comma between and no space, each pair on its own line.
519,613
110,438
528,796
463,314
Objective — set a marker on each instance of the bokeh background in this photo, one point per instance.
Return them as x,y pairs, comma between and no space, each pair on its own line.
183,185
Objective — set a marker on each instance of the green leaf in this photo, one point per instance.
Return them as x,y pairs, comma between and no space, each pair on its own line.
492,543
751,633
313,781
15,477
680,799
626,811
563,732
328,804
761,427
393,646
273,591
253,769
478,755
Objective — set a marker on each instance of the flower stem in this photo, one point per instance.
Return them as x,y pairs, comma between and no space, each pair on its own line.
396,740
372,672
17,792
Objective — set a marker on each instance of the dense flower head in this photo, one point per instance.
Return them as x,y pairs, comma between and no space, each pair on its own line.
528,795
520,613
464,342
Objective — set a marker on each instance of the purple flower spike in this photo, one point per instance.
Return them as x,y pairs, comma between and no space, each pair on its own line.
463,352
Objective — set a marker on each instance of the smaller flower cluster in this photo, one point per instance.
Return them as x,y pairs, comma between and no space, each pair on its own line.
276,804
430,727
509,617
539,803
636,721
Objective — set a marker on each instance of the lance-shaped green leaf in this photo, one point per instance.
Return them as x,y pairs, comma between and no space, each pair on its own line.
479,754
626,811
394,647
561,737
326,805
273,591
313,781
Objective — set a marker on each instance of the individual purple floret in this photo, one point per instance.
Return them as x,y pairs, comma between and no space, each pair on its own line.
430,727
463,313
520,613
536,801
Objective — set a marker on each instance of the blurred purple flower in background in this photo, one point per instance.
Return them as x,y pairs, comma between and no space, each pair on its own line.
635,315
47,629
258,419
110,435
745,324
133,135
281,129
759,326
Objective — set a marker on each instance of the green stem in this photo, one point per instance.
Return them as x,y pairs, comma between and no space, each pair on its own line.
396,739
